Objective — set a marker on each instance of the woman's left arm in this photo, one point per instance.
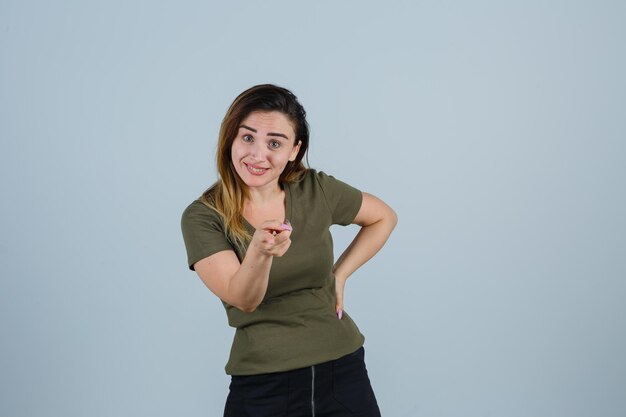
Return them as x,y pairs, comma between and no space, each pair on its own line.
377,221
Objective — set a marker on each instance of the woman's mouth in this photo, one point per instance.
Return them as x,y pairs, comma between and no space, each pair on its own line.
255,170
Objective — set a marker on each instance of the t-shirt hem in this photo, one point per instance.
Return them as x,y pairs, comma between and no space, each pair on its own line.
339,353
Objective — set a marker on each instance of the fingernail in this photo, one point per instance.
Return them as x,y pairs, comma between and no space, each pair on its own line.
287,225
340,313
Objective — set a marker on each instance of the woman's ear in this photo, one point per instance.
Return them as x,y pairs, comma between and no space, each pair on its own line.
295,151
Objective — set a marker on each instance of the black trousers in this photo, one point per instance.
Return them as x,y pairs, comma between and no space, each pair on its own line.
338,388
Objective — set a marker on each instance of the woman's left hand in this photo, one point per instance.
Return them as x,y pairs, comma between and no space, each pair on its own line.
339,287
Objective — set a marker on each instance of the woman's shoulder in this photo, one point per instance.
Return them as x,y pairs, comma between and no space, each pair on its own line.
200,209
317,187
307,182
313,176
316,182
195,206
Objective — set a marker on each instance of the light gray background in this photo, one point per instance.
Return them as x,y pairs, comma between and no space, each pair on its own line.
495,129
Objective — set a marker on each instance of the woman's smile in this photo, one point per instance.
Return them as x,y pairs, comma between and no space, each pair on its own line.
256,170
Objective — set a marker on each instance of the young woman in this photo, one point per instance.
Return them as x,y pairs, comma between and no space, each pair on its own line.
259,239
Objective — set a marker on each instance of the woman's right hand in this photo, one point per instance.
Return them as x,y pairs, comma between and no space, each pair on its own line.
272,238
243,285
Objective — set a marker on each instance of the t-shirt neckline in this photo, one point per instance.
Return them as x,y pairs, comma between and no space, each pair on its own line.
287,190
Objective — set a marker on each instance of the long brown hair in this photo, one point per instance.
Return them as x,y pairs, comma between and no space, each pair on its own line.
227,195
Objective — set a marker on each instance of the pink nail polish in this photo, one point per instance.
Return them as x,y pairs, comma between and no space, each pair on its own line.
286,225
340,313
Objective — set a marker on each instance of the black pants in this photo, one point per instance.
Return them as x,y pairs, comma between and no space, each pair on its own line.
339,388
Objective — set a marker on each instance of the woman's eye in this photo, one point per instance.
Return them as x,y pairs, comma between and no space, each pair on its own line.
247,138
275,144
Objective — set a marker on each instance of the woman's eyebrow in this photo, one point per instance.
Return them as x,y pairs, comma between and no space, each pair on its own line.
248,127
269,134
277,134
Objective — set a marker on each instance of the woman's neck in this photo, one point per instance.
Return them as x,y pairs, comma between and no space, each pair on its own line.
263,196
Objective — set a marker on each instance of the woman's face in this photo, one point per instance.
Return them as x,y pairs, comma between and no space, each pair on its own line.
264,144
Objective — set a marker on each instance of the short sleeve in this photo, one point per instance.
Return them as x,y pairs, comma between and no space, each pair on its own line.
203,233
343,200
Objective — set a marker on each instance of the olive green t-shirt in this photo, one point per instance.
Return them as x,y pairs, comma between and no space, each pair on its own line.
296,324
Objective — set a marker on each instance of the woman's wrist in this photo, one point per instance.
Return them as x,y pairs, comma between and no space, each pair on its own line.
257,253
339,276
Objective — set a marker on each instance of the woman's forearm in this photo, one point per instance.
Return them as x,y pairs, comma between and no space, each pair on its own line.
249,284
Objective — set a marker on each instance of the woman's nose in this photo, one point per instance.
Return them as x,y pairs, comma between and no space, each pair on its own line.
257,151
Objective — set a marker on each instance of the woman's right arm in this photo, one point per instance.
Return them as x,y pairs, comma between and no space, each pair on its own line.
243,285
